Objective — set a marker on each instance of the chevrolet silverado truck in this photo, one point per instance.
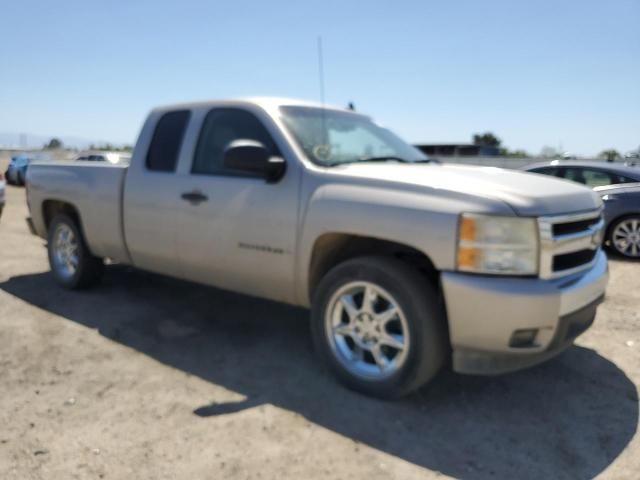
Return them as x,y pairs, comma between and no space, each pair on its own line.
406,264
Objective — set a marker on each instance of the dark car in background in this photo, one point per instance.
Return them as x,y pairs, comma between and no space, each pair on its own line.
622,217
105,156
618,186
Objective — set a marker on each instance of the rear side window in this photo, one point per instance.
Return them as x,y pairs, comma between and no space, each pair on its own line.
167,138
623,179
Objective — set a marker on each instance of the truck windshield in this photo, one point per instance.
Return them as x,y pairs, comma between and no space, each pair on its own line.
331,137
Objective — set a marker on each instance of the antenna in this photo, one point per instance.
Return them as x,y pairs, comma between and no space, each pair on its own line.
321,70
325,134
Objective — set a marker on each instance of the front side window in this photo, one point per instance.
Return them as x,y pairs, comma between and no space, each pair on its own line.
167,139
330,137
222,126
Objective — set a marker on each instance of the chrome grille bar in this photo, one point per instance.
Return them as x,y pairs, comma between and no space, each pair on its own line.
551,245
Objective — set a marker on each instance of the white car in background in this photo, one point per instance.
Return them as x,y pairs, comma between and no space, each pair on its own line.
105,156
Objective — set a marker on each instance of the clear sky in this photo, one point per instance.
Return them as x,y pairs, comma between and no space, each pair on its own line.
534,72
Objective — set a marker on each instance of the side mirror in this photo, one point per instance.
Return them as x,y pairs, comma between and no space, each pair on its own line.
253,157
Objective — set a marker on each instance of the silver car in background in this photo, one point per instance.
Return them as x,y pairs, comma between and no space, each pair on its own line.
618,186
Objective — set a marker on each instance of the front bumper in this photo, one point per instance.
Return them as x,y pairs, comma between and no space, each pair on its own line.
485,312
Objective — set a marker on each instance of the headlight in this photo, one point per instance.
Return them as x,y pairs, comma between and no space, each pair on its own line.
497,245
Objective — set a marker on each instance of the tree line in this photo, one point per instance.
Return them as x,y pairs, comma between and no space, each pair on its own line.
56,144
488,139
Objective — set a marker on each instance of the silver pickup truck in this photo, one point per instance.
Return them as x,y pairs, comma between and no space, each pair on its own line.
406,264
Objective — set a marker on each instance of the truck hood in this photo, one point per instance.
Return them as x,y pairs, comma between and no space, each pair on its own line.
528,194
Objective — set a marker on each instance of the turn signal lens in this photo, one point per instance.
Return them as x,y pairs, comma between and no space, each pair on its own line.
468,257
468,229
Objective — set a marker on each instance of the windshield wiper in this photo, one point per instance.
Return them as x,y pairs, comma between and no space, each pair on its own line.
384,159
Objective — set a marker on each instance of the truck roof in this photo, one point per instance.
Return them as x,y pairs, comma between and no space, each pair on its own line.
266,103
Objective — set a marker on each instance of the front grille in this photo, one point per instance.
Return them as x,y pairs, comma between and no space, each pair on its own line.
568,261
573,227
569,243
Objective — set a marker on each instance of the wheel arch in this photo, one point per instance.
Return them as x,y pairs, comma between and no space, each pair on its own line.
52,207
331,249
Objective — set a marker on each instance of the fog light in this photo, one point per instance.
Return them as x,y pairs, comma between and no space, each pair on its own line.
523,338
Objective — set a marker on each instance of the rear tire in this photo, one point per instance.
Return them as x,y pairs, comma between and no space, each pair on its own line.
71,262
368,347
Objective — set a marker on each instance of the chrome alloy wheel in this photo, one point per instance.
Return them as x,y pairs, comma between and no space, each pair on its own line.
626,237
65,251
367,330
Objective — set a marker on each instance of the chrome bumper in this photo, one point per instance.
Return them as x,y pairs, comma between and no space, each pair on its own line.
484,313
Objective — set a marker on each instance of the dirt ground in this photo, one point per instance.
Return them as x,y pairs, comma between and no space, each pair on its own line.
146,377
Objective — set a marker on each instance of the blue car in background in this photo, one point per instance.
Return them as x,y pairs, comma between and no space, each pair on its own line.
17,170
1,193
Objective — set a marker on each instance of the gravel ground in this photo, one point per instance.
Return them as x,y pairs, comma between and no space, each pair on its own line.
146,377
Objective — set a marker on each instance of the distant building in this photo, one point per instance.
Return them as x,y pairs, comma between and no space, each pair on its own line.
458,150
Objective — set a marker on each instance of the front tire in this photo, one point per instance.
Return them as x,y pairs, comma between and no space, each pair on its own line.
71,262
379,326
624,236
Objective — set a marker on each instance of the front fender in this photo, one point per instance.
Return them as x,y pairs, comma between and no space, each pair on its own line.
396,216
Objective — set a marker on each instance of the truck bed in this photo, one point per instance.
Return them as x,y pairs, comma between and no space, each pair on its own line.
95,189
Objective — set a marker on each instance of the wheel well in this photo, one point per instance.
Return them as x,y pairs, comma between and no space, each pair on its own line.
51,208
334,248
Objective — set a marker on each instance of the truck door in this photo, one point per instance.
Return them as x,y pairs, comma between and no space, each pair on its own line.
236,231
151,204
